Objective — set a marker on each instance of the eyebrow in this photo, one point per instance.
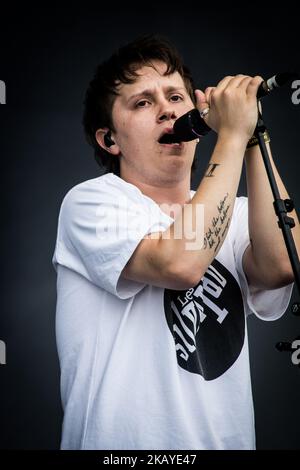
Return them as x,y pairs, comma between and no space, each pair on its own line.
149,92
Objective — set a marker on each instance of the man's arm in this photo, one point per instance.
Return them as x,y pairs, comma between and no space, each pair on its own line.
265,261
170,260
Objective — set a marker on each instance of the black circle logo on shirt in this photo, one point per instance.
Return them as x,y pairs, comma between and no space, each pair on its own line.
207,322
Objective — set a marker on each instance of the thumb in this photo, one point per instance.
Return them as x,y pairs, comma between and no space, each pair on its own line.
201,102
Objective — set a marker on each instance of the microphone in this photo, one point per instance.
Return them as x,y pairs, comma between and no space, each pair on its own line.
191,125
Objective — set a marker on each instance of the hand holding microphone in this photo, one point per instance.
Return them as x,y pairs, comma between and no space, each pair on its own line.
230,108
192,125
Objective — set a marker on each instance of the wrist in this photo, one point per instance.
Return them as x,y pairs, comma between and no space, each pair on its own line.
254,140
232,138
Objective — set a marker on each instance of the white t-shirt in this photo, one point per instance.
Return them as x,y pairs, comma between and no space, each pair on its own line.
144,367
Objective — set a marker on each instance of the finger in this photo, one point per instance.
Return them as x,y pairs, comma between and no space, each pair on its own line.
223,83
208,92
237,81
254,85
244,82
201,101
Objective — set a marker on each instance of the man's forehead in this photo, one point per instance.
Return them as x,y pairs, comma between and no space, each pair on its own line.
151,77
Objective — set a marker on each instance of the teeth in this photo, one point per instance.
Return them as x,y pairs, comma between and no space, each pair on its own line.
176,144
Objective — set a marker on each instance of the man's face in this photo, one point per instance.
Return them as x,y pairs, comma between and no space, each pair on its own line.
142,112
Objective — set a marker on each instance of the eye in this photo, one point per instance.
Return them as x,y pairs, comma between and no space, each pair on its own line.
142,103
176,98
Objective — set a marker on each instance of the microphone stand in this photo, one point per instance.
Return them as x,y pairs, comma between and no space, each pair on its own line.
285,223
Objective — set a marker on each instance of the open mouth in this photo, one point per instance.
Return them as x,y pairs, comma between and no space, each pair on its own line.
168,137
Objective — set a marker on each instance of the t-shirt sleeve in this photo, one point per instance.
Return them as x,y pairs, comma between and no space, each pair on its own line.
265,304
100,226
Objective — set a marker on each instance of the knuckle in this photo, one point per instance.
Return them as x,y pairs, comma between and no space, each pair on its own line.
227,92
257,79
227,78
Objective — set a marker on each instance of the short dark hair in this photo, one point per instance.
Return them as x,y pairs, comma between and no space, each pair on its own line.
122,67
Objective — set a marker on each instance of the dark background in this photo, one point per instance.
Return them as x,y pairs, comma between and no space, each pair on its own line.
47,57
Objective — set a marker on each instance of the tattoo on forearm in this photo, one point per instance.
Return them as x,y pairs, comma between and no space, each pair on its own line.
218,227
211,168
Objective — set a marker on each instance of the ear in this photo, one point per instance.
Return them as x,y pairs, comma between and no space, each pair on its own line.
113,149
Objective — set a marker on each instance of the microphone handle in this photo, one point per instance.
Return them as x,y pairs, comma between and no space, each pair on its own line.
189,126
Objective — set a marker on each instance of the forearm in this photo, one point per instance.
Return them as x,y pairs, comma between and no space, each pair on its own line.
268,247
216,195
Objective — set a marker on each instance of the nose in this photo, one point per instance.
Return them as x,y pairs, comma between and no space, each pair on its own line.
166,113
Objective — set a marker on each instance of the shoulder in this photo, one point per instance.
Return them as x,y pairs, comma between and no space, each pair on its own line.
100,189
108,191
98,184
